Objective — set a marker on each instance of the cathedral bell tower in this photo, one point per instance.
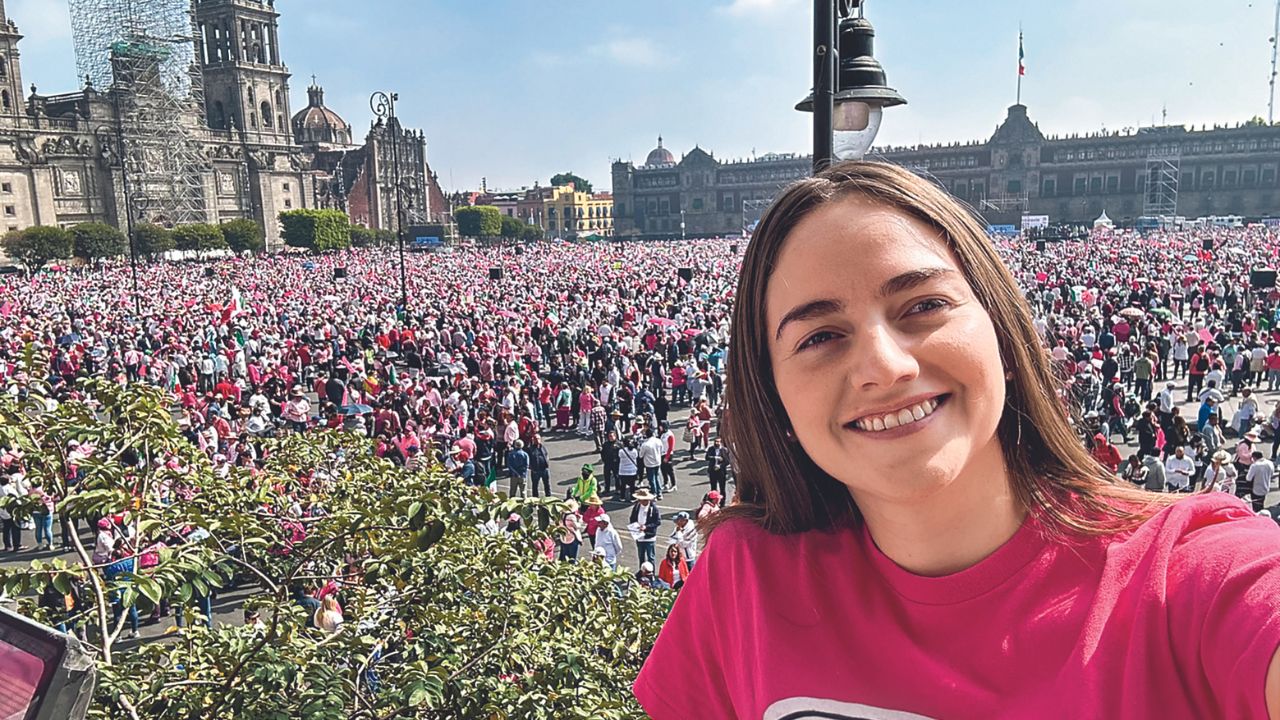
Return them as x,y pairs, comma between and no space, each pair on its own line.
10,68
246,86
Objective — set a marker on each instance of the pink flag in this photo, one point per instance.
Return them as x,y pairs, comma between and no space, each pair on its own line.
1205,335
7,308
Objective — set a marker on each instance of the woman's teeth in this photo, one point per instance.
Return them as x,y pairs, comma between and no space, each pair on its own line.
905,416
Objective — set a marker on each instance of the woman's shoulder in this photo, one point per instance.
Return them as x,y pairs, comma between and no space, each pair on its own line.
742,544
1207,530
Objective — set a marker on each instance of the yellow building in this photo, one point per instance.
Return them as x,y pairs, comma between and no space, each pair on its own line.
567,213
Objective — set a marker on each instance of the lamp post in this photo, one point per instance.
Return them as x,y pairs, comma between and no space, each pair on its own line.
384,108
848,103
682,235
131,205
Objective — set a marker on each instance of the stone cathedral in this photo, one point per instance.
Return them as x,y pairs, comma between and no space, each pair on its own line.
60,160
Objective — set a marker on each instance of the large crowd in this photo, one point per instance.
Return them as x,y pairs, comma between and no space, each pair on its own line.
607,342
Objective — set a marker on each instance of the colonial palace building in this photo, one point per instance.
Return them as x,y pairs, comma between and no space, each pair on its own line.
1155,171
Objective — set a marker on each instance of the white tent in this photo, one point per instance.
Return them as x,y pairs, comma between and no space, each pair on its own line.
1103,221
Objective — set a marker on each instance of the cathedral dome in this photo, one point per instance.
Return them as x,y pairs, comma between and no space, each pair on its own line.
318,125
660,155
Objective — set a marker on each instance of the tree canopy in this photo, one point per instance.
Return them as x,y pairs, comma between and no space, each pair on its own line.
479,221
36,246
317,230
447,615
200,237
153,239
579,183
95,240
244,235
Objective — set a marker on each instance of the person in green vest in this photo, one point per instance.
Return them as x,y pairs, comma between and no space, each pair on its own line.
585,486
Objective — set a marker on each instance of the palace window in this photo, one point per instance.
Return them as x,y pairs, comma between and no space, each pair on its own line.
1050,187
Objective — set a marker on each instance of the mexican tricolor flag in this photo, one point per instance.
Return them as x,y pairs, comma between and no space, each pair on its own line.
234,306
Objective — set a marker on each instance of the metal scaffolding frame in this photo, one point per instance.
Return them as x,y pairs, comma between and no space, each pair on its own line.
1160,193
144,53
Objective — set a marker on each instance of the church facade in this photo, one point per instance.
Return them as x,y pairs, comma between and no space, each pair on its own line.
60,155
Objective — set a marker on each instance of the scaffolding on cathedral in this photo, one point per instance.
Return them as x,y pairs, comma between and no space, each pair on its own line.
144,53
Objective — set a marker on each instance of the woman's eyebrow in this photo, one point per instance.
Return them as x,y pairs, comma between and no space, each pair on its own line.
911,279
808,311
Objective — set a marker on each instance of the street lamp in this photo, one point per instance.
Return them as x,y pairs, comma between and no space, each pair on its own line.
847,108
682,235
131,205
384,108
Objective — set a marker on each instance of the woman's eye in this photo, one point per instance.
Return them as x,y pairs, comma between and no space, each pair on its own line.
816,339
925,306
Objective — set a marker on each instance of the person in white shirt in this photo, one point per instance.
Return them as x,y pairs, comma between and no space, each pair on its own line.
296,410
628,469
686,534
1261,479
1221,475
1178,469
608,540
651,452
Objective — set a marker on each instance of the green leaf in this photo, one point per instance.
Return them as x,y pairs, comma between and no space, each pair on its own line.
149,588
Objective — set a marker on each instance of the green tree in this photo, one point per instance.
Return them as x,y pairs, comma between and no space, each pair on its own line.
200,237
479,221
512,228
153,239
244,235
565,178
317,230
530,233
95,240
363,236
37,245
457,621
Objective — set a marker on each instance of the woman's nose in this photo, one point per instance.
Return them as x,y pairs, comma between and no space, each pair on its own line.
880,359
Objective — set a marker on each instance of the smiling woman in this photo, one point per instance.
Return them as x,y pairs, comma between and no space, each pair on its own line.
918,530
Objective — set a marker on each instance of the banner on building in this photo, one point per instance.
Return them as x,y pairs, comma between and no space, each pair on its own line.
1034,221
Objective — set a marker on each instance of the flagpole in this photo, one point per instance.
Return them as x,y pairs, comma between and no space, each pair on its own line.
1019,63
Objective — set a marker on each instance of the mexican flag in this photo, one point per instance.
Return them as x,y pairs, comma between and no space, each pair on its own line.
234,307
1022,65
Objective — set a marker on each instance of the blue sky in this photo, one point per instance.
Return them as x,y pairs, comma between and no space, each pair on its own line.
516,90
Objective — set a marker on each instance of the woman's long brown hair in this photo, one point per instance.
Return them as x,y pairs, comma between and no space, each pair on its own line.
781,489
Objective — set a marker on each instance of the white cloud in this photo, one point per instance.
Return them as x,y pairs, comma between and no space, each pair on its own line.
632,52
756,8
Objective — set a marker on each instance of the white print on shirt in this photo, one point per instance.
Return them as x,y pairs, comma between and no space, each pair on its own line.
806,708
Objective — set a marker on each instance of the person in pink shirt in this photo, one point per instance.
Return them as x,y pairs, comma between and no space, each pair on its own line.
918,531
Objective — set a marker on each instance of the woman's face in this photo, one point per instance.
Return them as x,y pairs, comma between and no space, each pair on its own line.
887,365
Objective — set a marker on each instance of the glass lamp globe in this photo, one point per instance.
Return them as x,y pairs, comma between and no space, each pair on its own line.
855,125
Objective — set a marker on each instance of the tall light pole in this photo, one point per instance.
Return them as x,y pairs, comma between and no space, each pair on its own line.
384,108
847,99
131,205
682,235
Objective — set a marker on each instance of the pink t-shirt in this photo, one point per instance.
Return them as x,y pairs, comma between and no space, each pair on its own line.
1176,619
